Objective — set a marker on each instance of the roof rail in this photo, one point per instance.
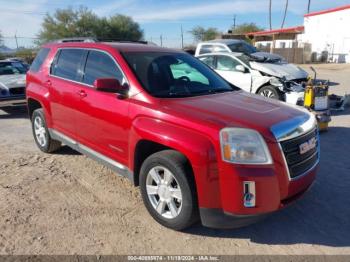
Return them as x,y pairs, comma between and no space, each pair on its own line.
77,39
94,40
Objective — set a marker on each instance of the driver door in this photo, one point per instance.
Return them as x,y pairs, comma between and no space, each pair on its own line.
226,67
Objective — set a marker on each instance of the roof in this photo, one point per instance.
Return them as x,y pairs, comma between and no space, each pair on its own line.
235,54
120,46
327,11
224,41
291,30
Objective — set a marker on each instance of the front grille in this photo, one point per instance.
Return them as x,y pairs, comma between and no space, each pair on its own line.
17,91
298,163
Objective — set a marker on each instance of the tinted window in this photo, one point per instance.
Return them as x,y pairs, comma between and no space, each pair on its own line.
209,60
243,48
226,63
205,49
100,65
39,59
174,74
68,63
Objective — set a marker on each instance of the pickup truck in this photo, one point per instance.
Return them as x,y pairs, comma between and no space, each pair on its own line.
199,148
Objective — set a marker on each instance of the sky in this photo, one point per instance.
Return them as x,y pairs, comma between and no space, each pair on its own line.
157,17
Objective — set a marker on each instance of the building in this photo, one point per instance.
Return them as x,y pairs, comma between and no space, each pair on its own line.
323,37
328,33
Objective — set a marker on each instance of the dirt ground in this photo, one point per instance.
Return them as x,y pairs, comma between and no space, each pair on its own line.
66,203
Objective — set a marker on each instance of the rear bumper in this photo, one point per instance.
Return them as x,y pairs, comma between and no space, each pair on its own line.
13,101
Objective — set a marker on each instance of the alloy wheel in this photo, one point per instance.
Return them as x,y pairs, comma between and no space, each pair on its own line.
164,192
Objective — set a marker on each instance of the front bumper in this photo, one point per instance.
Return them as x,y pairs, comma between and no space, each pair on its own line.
295,98
10,101
217,218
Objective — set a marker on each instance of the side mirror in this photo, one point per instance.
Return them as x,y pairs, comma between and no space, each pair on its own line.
110,85
240,68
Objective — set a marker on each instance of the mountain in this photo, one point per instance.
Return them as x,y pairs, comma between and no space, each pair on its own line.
6,50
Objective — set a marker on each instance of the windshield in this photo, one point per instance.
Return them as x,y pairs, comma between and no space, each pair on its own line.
243,48
12,68
175,74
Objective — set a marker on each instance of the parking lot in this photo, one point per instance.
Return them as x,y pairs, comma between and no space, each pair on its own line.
66,203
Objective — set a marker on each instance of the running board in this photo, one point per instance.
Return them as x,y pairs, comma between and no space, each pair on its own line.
112,164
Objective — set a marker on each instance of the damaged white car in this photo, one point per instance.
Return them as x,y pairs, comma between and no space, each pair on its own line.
12,83
260,73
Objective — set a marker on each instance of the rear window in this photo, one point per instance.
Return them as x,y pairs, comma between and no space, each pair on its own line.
39,59
68,63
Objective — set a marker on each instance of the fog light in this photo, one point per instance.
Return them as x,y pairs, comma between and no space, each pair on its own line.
249,194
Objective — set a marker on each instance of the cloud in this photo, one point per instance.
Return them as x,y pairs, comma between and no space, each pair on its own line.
204,9
114,7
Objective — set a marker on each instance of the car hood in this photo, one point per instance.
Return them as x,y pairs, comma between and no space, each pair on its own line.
9,81
267,56
280,69
234,109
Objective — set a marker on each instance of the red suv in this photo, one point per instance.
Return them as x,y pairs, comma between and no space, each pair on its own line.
198,147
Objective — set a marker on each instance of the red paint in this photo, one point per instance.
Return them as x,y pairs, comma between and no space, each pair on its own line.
189,125
327,11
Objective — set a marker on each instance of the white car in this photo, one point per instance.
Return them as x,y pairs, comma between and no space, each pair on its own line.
273,78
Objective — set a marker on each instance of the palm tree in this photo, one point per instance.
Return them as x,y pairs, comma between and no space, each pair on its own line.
285,14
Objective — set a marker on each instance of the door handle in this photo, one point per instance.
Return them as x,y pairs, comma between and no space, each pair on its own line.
82,93
48,82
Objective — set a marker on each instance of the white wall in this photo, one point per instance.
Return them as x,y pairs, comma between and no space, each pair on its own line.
329,32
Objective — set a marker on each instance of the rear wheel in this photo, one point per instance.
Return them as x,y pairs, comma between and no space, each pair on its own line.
271,92
168,189
41,134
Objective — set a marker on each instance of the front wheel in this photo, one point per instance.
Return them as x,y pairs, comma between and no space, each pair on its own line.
271,92
41,134
168,190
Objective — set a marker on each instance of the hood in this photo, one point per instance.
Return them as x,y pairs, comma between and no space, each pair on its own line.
9,81
280,69
234,109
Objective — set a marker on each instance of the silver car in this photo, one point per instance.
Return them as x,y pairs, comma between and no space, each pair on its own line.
12,83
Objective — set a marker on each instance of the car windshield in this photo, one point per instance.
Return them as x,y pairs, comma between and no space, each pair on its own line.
243,48
12,68
165,74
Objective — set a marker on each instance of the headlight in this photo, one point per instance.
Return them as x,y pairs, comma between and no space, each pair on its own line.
244,146
275,82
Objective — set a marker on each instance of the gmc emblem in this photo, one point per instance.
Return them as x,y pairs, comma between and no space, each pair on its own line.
307,146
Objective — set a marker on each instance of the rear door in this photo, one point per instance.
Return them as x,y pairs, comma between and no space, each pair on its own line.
102,119
63,83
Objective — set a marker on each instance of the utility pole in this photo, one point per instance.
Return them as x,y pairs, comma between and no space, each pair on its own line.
308,6
270,14
16,40
234,22
182,38
161,40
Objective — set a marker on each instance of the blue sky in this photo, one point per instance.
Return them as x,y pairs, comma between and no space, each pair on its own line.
158,17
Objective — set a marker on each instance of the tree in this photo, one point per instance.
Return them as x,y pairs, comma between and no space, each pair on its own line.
1,40
201,34
246,28
84,23
285,14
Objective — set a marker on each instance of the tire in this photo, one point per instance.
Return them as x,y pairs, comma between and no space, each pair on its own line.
271,92
41,134
177,199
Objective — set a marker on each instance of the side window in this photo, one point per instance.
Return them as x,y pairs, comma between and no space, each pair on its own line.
39,60
100,65
205,49
226,63
68,63
209,60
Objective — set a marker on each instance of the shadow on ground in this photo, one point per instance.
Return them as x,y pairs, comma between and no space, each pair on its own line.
14,112
322,217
